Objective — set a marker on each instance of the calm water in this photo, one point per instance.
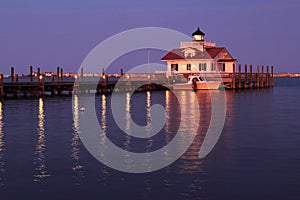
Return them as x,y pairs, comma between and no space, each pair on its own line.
257,156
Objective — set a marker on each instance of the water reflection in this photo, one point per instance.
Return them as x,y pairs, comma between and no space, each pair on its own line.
189,163
40,161
104,170
2,169
77,168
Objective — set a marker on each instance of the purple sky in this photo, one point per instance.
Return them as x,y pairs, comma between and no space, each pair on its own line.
52,33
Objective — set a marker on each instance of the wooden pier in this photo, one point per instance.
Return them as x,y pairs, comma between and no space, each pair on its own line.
241,78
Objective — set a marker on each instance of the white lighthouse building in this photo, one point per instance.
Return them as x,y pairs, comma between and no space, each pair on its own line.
199,56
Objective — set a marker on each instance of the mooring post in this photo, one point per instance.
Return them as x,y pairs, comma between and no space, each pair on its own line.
61,74
16,78
57,73
121,72
272,71
239,77
42,84
262,76
12,74
251,78
31,73
246,76
258,77
38,72
1,86
267,77
233,76
52,78
81,74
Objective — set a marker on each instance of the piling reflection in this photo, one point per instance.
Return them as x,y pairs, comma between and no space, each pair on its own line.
40,162
77,168
2,169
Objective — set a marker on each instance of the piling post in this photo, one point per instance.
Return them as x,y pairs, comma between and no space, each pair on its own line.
57,72
1,86
257,77
81,74
30,73
239,76
272,74
38,72
42,84
16,78
52,78
121,72
262,76
267,77
12,73
246,77
250,78
233,76
61,74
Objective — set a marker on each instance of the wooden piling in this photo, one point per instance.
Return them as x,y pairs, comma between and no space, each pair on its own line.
262,76
81,73
1,86
246,77
61,74
121,72
16,78
57,73
12,74
233,77
31,73
250,78
267,77
239,77
38,72
42,84
272,76
257,77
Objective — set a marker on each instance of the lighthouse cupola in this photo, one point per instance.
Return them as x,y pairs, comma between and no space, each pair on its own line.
198,35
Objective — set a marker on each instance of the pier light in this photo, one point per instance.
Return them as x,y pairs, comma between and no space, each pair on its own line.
103,77
40,77
76,76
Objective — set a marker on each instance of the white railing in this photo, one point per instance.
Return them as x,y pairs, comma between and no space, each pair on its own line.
197,44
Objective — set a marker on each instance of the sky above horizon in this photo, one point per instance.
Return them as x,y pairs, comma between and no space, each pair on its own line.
51,33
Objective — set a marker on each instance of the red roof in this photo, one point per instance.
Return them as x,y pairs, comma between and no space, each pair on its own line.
214,51
226,60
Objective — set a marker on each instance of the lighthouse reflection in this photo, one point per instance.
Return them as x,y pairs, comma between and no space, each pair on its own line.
189,161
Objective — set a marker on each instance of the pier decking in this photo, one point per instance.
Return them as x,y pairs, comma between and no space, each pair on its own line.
56,84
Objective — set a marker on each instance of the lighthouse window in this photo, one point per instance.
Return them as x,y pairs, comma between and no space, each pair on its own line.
188,67
223,67
213,67
174,67
202,66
